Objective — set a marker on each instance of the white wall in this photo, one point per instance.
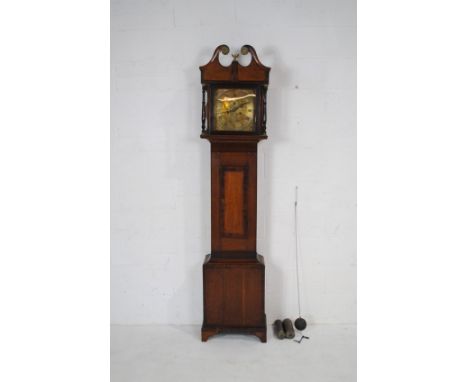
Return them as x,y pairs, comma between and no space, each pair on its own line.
160,201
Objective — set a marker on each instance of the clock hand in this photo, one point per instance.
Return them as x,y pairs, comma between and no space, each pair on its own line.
238,106
231,99
234,108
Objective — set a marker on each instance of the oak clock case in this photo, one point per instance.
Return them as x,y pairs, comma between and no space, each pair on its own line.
234,121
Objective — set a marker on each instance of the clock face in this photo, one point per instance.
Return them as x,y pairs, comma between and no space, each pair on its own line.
234,110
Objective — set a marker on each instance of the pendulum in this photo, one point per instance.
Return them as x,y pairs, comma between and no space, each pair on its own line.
299,323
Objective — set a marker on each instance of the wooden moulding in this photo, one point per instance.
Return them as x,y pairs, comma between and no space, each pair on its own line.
214,71
233,143
234,257
237,138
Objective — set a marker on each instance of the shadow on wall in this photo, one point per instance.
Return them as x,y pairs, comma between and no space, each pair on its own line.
187,301
275,297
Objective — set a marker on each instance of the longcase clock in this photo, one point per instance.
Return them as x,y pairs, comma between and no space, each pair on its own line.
234,121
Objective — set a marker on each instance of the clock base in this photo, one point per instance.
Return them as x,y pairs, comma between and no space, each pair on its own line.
234,294
208,331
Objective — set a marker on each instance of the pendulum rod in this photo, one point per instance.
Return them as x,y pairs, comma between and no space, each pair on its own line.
297,262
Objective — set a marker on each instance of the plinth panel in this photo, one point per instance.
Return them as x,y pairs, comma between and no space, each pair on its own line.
234,294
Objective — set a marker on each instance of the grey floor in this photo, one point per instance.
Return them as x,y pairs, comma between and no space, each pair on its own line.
175,353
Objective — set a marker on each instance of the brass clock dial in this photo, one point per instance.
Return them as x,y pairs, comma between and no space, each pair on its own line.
234,110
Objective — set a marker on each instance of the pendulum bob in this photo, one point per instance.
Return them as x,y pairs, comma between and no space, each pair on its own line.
300,324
